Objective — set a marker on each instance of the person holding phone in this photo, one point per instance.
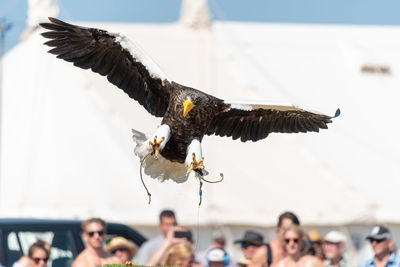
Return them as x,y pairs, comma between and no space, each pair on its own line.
175,235
167,221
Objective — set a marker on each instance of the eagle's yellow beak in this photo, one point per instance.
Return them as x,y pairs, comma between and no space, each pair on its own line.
187,106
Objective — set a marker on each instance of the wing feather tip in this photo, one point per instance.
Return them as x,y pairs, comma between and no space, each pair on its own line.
337,113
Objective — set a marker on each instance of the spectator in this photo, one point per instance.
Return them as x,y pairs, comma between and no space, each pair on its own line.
250,242
94,233
38,255
181,254
382,245
175,236
334,247
274,251
217,257
316,243
218,242
167,222
296,250
121,248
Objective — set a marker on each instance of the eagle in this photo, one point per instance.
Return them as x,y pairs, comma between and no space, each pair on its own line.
187,114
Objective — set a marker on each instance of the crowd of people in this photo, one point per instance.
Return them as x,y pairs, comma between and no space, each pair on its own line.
291,247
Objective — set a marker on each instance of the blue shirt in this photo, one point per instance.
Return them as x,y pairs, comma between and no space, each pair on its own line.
394,261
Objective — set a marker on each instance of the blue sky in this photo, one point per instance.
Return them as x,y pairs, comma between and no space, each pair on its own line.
365,12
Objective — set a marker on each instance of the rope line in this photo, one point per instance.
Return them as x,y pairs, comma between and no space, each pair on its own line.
141,176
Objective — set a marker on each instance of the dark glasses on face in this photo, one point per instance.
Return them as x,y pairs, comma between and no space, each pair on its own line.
37,260
377,240
245,245
295,240
119,249
91,234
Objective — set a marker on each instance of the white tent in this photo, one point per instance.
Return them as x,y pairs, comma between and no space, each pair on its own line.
67,150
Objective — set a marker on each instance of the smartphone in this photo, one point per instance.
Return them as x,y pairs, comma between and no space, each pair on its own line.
183,234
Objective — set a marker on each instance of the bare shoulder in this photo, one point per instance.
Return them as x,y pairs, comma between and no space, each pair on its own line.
311,261
275,243
260,257
281,263
81,260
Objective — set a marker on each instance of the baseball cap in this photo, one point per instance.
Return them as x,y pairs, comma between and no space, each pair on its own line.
379,232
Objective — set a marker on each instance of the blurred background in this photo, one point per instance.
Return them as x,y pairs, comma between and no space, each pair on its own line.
66,147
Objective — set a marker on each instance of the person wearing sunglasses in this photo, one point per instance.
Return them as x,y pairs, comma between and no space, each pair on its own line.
38,255
94,233
382,245
296,249
121,248
249,244
273,251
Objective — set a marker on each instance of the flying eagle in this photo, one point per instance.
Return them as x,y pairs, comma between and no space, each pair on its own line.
188,114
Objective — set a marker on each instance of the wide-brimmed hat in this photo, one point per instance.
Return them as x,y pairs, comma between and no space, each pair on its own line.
335,237
315,236
252,238
379,232
121,242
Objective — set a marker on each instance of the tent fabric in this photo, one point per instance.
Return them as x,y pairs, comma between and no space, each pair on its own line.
67,150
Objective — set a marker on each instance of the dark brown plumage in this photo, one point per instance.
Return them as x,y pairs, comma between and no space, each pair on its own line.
107,54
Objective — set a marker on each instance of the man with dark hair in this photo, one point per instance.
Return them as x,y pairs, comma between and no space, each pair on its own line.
274,251
288,215
382,245
167,222
94,255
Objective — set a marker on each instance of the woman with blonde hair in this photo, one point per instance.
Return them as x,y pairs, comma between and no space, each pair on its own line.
181,254
295,245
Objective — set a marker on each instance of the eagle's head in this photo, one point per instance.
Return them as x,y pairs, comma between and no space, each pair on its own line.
187,106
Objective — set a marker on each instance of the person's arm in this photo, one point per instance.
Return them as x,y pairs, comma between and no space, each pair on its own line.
260,258
170,240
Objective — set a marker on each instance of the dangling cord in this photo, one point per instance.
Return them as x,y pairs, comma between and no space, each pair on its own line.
212,182
141,177
201,179
198,210
200,190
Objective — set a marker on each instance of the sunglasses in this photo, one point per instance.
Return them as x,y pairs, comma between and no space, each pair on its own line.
245,245
37,260
377,240
118,249
91,234
295,240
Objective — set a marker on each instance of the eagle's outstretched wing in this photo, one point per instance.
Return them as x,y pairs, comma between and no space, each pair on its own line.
114,56
256,121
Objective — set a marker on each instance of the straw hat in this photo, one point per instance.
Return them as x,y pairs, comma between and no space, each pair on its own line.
121,242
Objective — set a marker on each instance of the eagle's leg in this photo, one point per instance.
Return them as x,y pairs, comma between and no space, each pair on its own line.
194,159
153,144
159,139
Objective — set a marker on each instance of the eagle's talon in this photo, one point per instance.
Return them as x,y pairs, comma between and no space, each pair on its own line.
196,166
156,146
